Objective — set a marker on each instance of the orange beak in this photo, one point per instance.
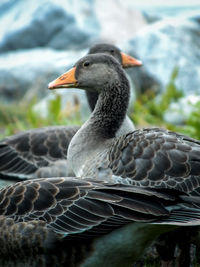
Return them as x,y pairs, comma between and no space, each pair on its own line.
66,80
128,61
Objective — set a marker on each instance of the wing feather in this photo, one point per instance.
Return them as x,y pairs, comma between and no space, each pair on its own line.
23,154
90,208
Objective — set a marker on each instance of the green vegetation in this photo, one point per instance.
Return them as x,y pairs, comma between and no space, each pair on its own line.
149,109
148,112
22,116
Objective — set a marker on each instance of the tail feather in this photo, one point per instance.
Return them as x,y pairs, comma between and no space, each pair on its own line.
182,216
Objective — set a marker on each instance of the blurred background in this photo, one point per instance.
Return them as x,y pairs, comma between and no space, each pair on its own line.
39,40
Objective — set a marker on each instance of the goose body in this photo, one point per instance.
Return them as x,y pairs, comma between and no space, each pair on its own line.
146,157
42,152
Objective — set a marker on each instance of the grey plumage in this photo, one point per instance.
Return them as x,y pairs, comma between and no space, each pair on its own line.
25,154
152,157
59,221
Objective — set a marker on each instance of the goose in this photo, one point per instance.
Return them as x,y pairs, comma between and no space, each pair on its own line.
42,152
149,157
152,157
84,222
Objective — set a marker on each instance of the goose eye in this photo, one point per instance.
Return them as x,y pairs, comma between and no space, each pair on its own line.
112,51
86,64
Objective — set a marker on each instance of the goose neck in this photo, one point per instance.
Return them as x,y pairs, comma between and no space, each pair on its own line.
110,109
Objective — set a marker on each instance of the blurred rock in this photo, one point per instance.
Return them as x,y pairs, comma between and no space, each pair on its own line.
160,12
38,26
118,20
28,24
28,72
65,24
167,44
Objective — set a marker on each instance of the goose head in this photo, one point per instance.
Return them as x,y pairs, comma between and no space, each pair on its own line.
125,60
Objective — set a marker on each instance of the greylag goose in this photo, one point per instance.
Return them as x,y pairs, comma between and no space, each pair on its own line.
152,157
156,158
42,152
79,222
